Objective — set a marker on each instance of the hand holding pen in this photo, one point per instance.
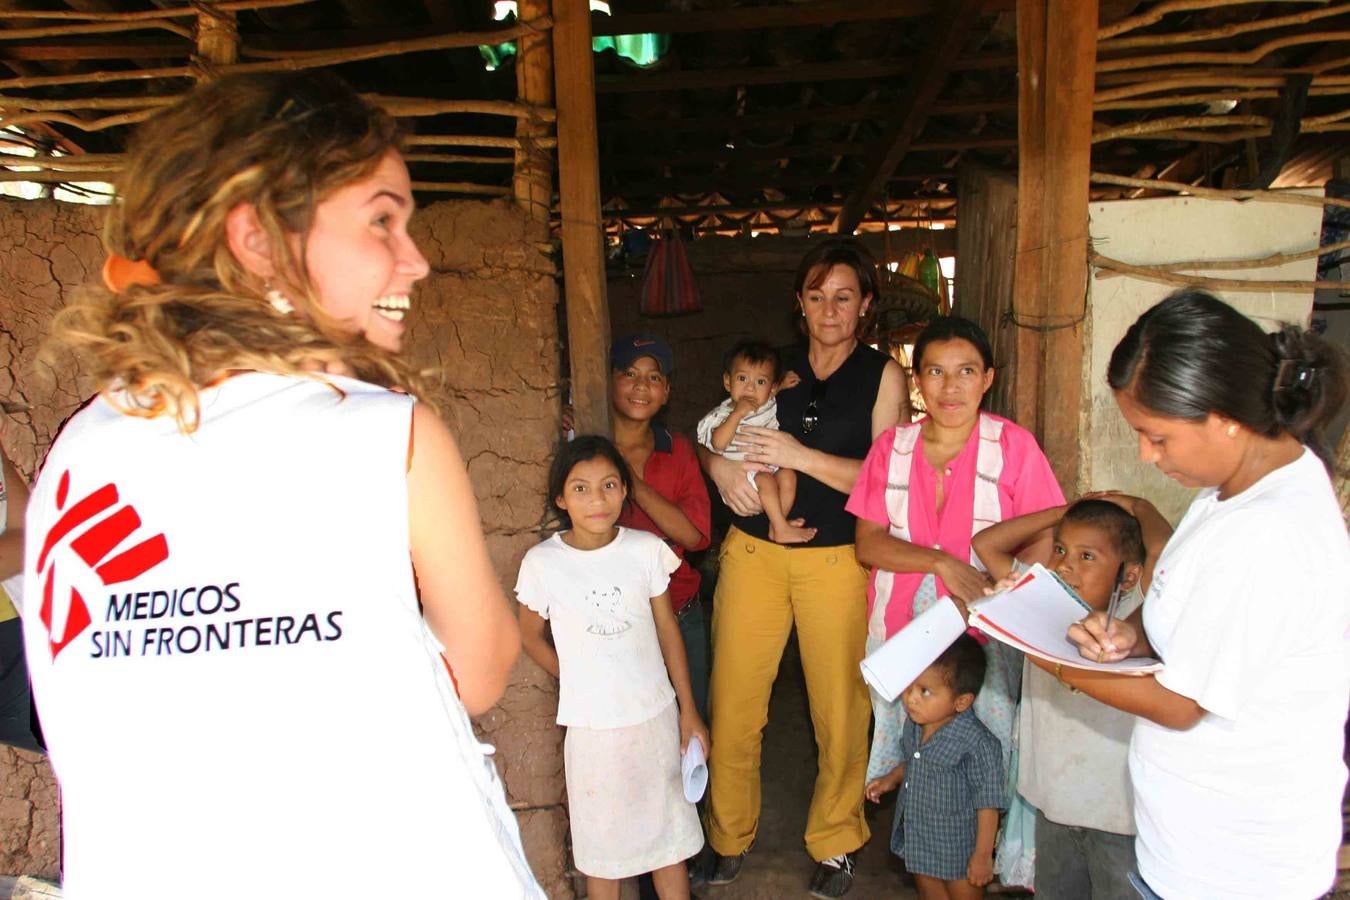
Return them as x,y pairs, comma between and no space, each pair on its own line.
1111,606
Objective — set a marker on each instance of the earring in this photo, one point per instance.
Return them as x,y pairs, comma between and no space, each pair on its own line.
1232,431
278,301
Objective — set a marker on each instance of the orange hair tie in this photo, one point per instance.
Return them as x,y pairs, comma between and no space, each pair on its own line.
120,273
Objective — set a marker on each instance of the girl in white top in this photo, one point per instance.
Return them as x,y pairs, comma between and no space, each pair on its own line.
1237,755
603,590
245,690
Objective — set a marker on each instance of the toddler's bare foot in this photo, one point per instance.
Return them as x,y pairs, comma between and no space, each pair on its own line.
787,533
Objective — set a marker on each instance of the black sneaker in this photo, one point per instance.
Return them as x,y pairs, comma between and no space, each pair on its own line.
724,869
833,877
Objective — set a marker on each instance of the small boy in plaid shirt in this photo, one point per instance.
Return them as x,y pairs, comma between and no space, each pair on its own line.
951,780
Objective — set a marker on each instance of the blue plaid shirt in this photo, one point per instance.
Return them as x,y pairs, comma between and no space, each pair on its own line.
958,771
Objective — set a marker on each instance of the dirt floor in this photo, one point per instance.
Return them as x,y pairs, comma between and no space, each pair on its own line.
778,866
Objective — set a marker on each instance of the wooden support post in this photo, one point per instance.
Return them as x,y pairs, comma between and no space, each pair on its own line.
217,37
582,228
533,181
1056,49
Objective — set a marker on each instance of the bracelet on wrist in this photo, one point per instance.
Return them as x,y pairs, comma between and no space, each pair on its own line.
1059,676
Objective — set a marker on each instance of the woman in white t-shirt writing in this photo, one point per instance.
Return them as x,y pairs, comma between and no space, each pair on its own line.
1236,757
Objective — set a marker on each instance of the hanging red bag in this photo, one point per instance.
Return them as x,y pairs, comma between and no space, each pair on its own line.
668,287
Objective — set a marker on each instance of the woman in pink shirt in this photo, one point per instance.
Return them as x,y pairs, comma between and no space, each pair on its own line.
924,491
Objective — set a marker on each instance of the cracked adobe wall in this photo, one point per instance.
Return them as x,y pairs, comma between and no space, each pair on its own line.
486,317
46,248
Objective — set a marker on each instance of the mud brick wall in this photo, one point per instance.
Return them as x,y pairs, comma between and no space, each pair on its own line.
486,320
46,249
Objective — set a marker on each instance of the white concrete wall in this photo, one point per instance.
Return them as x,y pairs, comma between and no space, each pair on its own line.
1169,230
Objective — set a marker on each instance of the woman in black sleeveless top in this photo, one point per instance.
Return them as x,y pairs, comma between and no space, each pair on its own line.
849,393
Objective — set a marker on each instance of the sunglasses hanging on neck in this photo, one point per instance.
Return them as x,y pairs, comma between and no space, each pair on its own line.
811,415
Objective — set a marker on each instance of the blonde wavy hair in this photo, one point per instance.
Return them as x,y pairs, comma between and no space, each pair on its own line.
282,143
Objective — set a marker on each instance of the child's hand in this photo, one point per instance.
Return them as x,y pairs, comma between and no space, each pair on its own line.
1003,584
745,406
980,869
962,608
790,380
691,726
879,787
1124,501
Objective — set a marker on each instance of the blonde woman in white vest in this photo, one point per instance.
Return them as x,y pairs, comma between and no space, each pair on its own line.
231,548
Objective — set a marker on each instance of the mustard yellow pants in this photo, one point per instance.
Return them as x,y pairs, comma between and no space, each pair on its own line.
762,588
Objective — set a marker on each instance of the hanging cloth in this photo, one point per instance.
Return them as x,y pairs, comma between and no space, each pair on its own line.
668,287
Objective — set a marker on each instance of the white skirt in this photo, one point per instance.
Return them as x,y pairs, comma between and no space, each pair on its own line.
626,800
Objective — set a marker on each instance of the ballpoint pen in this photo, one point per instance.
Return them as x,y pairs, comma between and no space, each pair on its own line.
1112,604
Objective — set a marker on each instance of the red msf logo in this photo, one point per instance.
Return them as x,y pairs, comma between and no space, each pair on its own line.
93,545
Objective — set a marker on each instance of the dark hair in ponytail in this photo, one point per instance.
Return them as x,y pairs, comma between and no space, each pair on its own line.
1193,354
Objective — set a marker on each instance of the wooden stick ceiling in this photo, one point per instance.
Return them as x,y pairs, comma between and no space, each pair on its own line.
831,105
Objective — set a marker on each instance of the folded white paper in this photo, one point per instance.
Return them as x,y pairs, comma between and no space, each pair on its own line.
694,771
1034,616
894,665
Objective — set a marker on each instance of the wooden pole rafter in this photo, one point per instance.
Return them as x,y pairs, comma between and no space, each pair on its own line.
1222,32
1156,14
798,151
822,12
1212,97
948,35
1218,193
184,12
1229,58
474,140
690,79
29,34
1168,276
1232,80
1276,259
293,60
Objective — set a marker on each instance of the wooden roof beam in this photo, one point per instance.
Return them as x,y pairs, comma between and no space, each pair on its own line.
685,79
731,123
787,15
930,75
839,70
124,48
719,155
741,209
731,182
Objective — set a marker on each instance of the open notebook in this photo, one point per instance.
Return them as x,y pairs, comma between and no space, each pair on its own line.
1034,616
